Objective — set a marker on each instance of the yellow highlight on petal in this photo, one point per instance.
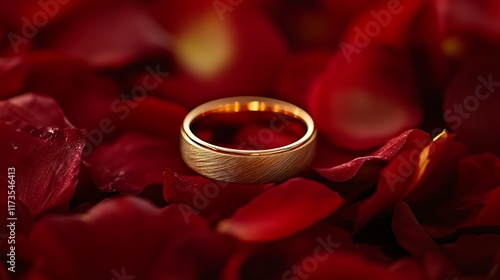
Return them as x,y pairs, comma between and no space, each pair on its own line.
423,160
205,48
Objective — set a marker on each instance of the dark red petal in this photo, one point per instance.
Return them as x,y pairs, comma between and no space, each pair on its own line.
474,254
47,168
13,72
282,211
421,170
364,101
464,204
111,36
471,103
158,242
212,199
45,152
32,112
413,238
133,162
346,171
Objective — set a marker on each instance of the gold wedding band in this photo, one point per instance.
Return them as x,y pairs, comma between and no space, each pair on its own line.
247,166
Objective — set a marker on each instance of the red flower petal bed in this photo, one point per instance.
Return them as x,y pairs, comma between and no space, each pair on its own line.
405,96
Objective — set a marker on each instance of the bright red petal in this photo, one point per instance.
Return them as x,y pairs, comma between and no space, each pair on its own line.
282,211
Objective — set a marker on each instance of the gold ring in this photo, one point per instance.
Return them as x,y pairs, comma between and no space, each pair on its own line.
248,166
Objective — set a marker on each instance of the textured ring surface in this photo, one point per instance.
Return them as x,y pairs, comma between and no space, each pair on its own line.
247,166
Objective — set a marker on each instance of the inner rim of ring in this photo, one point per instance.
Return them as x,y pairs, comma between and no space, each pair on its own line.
243,104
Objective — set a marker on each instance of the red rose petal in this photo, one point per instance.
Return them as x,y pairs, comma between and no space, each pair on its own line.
282,211
158,242
132,162
363,103
328,155
478,176
212,199
489,214
408,26
412,237
111,36
44,152
409,172
33,112
474,254
435,172
50,164
346,171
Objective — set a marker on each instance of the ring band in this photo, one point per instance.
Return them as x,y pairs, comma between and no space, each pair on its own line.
247,166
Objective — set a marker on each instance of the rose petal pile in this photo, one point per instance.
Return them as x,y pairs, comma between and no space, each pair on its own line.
406,178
